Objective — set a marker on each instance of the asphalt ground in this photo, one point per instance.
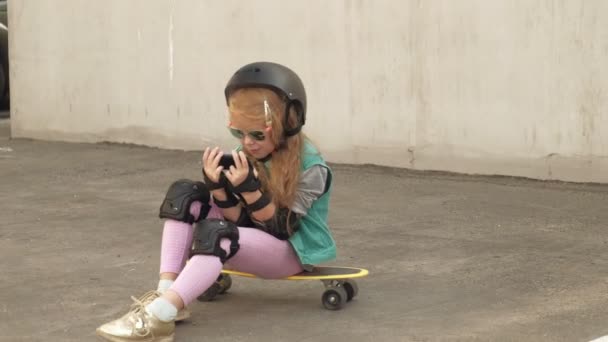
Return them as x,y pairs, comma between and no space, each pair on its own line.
452,257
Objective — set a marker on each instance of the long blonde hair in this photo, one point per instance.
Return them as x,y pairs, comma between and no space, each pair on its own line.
251,106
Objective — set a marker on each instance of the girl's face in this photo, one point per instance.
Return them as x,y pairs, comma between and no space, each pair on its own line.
256,139
253,120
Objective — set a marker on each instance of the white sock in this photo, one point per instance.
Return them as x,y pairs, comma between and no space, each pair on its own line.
164,285
162,309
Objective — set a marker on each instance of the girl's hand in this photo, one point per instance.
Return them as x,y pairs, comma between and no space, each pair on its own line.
211,160
238,172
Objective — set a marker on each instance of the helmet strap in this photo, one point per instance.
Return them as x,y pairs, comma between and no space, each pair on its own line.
289,132
265,159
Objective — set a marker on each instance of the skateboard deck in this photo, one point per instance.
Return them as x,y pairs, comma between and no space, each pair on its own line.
340,286
317,273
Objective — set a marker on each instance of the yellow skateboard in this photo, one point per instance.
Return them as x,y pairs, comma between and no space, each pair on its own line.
339,284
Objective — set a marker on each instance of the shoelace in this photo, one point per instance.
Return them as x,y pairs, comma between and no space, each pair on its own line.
138,312
149,296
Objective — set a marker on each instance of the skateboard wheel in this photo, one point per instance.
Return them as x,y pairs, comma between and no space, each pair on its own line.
351,289
211,292
225,282
334,298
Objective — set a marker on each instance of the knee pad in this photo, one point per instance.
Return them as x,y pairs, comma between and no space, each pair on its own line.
208,234
180,196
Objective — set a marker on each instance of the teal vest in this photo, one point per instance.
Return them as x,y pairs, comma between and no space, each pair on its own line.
313,241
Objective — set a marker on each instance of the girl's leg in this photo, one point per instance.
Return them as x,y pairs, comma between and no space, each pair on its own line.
176,242
158,313
261,254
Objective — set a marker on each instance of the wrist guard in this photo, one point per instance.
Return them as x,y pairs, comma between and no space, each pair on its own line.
250,184
230,201
259,204
211,185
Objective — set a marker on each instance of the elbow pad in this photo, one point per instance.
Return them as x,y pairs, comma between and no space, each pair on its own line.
284,223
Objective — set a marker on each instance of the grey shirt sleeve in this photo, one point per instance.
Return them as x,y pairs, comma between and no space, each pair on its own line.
310,187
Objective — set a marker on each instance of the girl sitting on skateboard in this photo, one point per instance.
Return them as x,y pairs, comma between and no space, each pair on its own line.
263,212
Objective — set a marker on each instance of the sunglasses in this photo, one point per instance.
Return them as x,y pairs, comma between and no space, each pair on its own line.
255,135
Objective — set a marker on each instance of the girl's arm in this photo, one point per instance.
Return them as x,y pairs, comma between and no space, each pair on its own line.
230,213
265,209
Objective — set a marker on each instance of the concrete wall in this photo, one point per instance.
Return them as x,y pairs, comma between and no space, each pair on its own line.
476,86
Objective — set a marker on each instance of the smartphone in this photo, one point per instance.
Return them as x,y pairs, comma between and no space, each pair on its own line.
226,160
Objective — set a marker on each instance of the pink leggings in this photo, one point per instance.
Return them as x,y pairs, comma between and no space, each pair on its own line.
261,254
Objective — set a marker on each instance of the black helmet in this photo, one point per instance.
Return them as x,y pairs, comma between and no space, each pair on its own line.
277,78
